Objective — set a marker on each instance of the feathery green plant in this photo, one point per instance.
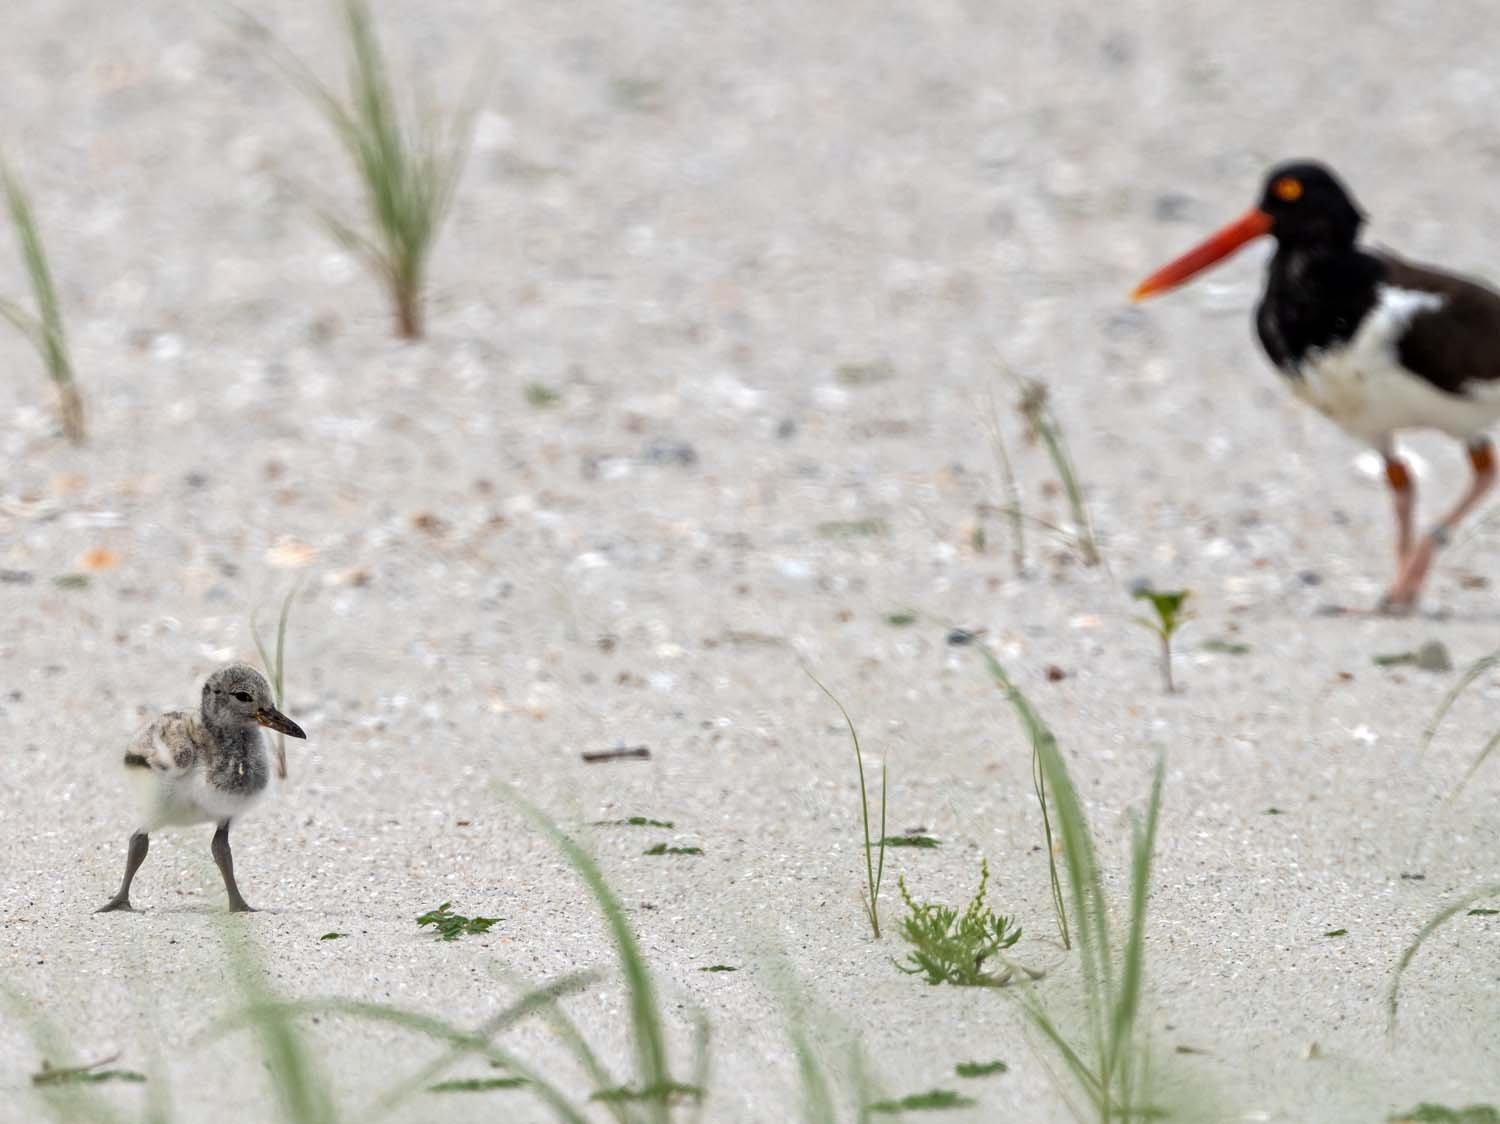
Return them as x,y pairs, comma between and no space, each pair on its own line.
1040,734
1112,1067
276,670
1170,617
874,872
408,163
949,947
45,328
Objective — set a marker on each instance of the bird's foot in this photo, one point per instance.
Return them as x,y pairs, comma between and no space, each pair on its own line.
1401,599
241,906
116,905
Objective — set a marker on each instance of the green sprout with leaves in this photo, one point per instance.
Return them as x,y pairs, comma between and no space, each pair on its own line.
45,328
952,947
449,926
409,164
1170,616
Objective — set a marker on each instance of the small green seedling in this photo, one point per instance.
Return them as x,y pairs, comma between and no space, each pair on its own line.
914,1102
539,395
663,849
949,947
1483,912
1169,618
476,1084
901,619
1337,933
635,821
719,968
333,936
980,1069
449,926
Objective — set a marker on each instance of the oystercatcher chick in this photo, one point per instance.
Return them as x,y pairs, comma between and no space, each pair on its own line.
1374,343
201,766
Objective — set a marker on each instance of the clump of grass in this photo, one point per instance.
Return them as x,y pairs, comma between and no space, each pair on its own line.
1435,922
1040,735
1111,1066
1170,616
408,163
951,947
1036,408
276,670
44,328
874,872
449,926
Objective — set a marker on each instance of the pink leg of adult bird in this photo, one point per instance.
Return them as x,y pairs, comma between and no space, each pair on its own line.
1404,492
1403,595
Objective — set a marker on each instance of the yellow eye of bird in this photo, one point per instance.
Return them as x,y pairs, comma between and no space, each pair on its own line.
1287,189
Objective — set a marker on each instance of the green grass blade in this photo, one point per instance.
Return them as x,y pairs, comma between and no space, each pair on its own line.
436,1029
652,1071
1038,731
45,330
1123,1054
539,1000
1012,487
1433,924
302,1091
1473,672
872,878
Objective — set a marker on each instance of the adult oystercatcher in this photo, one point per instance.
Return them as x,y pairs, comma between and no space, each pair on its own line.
1374,343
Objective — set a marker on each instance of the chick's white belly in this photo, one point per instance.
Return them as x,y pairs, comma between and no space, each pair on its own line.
189,799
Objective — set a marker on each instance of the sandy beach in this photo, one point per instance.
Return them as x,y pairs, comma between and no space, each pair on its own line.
726,301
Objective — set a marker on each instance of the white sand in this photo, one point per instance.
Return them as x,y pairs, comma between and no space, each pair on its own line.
686,220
